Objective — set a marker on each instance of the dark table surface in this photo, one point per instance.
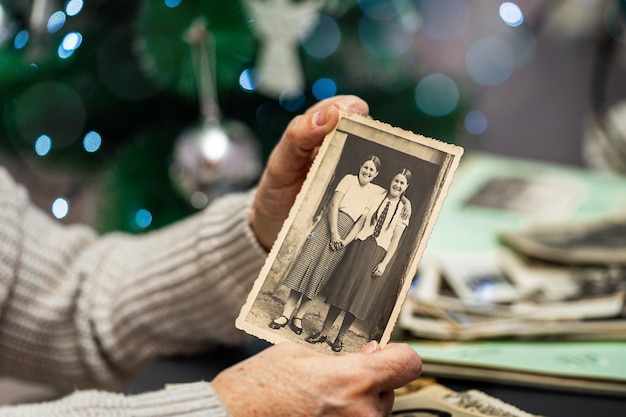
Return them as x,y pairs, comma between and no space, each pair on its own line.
545,402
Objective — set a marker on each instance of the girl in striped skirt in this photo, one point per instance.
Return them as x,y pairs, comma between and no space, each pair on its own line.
358,279
323,249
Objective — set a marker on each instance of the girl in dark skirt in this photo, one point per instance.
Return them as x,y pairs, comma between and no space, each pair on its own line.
324,247
360,276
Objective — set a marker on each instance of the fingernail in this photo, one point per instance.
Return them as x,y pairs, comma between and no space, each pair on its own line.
320,118
371,347
316,118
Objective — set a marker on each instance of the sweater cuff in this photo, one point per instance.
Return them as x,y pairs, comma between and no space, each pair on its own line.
183,400
180,400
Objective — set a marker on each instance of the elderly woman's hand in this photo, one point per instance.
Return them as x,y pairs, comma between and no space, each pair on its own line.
290,162
290,380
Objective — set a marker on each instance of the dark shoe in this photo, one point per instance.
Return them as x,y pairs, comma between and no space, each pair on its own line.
296,329
316,338
337,346
274,325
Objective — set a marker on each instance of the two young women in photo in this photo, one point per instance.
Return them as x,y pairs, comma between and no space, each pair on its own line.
323,249
348,251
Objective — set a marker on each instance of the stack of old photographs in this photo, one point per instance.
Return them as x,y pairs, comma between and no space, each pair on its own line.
524,278
424,397
566,281
523,249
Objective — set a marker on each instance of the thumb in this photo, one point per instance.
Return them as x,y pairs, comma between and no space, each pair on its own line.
371,347
395,366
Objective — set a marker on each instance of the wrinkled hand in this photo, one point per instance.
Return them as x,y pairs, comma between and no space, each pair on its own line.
290,380
290,161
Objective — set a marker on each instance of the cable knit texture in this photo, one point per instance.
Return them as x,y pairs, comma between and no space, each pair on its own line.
78,310
187,400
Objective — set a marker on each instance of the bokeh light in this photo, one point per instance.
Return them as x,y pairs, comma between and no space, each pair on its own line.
249,79
21,39
43,145
69,44
143,218
214,143
92,141
199,200
490,61
56,21
73,7
511,14
292,100
385,38
72,41
63,53
324,39
475,122
444,19
324,88
172,3
60,207
437,94
263,112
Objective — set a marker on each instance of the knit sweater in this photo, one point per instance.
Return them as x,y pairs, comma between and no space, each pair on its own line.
80,311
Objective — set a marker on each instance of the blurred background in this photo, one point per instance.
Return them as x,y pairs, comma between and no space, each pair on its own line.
128,115
119,114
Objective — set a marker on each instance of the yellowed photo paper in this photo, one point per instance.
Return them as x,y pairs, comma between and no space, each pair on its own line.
345,258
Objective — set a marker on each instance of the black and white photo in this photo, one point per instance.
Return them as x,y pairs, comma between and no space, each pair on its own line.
345,258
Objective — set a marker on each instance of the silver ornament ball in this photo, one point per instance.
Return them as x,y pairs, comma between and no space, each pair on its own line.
212,159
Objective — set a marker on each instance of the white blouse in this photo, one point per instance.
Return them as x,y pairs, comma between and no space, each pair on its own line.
357,199
391,222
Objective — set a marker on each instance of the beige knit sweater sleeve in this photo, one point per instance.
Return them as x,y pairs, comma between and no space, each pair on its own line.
82,311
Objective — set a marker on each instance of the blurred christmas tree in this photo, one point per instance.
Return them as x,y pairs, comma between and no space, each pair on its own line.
129,91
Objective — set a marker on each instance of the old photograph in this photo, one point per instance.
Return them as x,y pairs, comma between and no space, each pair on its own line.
546,196
599,241
345,258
